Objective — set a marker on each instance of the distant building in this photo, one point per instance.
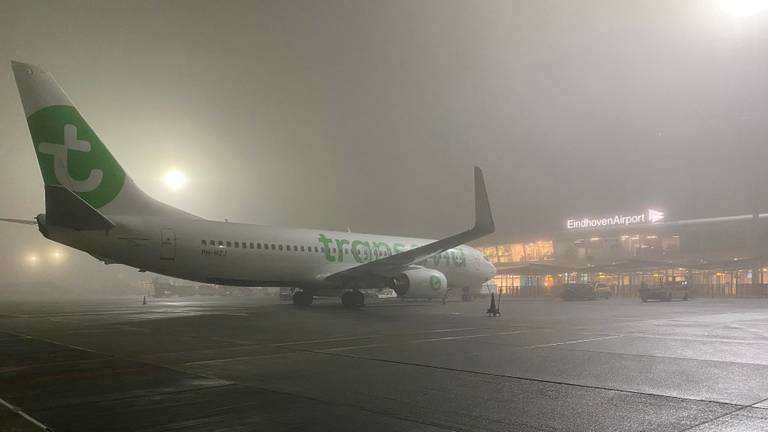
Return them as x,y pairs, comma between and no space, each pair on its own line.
724,256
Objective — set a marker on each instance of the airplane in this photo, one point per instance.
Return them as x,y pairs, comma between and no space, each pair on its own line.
93,205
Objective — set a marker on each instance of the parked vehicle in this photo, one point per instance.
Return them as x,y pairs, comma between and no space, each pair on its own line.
603,290
578,291
667,291
586,291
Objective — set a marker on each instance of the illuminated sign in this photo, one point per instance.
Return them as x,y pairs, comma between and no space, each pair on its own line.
651,216
655,215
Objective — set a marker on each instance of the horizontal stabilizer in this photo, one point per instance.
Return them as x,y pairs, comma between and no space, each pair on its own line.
65,209
19,221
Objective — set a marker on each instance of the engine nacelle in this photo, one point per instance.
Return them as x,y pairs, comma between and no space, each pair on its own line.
420,283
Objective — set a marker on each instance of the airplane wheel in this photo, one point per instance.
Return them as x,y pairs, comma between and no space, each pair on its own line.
348,299
302,298
352,299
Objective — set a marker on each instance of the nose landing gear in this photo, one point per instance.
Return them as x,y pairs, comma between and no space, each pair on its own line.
303,298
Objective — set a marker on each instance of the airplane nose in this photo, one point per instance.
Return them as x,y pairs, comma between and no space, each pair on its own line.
490,270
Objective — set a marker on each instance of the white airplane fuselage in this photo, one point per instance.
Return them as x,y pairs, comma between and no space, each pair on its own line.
264,256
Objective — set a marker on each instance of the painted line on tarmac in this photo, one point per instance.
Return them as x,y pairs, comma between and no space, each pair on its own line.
324,340
697,339
26,416
469,336
446,338
368,337
452,338
573,342
346,348
253,357
448,330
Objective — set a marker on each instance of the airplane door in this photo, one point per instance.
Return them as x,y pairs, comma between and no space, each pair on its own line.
167,244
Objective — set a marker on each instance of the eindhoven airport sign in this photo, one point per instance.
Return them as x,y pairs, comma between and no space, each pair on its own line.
650,216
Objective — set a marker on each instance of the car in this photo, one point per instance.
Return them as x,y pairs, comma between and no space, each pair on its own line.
666,291
603,290
585,291
578,291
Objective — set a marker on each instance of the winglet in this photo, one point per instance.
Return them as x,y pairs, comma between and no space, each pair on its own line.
483,218
393,264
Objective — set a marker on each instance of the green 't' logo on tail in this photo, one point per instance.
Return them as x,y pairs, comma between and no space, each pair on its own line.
71,155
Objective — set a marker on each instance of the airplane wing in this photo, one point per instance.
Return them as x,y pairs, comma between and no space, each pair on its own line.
394,264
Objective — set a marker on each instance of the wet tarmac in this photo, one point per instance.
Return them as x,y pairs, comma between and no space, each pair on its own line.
242,364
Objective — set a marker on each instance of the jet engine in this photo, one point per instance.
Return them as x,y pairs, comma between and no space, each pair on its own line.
420,283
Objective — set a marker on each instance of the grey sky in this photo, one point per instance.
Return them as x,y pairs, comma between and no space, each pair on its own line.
372,114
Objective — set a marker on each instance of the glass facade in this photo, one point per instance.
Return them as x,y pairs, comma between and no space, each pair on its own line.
520,252
704,252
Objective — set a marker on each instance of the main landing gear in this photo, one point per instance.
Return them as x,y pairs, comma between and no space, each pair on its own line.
352,299
303,298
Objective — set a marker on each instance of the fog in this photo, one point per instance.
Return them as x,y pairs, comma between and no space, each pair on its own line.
370,115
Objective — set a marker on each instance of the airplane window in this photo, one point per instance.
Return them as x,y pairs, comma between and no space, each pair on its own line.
258,246
212,242
237,245
295,248
280,247
273,246
229,244
302,248
203,243
251,245
316,249
221,243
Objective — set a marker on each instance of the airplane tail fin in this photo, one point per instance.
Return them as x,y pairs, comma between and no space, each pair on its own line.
72,157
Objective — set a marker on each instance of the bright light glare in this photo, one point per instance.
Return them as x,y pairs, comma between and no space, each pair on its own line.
743,8
32,259
175,179
57,255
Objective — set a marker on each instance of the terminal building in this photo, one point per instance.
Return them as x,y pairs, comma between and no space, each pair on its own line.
718,257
